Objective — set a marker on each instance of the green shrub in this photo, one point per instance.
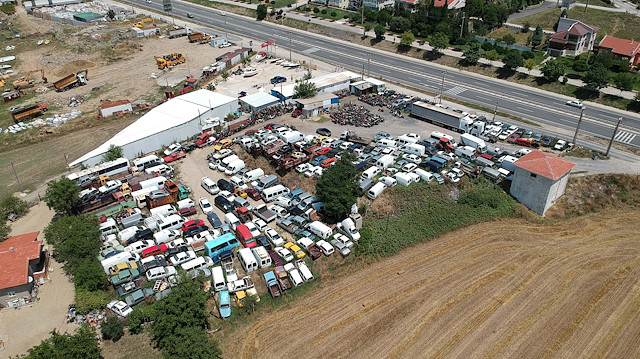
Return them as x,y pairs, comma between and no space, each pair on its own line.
334,14
487,46
323,12
461,41
528,55
11,204
112,329
316,10
86,301
135,320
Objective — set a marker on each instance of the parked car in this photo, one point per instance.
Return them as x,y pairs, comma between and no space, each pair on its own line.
254,194
323,132
192,223
513,138
120,308
284,253
296,113
205,205
295,249
124,276
214,220
560,145
546,141
160,272
278,79
187,211
341,247
274,237
260,224
325,247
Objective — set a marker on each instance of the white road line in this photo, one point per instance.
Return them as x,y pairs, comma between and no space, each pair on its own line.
525,109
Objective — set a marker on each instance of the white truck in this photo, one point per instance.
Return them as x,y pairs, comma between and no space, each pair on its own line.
348,227
240,284
473,141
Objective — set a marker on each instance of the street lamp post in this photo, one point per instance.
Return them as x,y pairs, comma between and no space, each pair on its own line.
442,86
289,47
615,131
575,135
368,64
495,111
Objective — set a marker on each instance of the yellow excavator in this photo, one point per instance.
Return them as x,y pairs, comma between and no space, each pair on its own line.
25,83
144,21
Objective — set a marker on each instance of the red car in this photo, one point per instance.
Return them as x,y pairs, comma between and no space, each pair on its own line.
513,138
328,162
254,194
203,139
269,126
175,156
191,224
296,113
187,211
323,151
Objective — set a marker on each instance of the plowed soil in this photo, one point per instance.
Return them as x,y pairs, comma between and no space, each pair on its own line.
508,289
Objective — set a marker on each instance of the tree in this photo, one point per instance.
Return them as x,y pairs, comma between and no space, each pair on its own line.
62,195
112,329
597,77
135,319
472,55
338,187
491,55
379,30
525,27
399,24
367,28
623,82
553,69
4,231
536,40
637,98
225,75
305,88
74,239
90,276
82,344
261,12
407,39
529,64
512,60
11,204
439,41
113,153
111,14
508,39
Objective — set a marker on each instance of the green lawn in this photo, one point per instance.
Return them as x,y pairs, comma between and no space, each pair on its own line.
339,14
595,2
521,37
546,19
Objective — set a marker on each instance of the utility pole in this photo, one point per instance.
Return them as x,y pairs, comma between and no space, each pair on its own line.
17,179
368,64
575,135
289,47
226,36
462,25
615,131
495,111
585,7
442,86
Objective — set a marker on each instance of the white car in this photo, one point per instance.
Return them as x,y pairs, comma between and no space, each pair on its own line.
318,171
409,167
174,147
504,135
305,242
339,237
120,308
412,135
574,103
227,195
222,46
325,247
341,247
110,186
303,167
274,237
450,176
182,257
253,229
281,212
160,272
310,171
560,145
269,140
284,253
260,224
458,172
205,205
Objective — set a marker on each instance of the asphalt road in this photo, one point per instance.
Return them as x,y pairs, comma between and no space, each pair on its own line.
527,103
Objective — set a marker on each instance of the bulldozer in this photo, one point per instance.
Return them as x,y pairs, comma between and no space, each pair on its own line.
144,21
171,60
25,83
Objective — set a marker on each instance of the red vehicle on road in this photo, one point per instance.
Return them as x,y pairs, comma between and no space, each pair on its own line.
323,151
175,156
328,162
203,140
513,138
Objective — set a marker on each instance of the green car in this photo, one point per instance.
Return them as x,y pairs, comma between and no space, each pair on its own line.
123,276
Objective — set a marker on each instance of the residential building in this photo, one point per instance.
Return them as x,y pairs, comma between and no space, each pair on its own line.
450,4
572,38
342,4
539,179
378,4
621,49
23,264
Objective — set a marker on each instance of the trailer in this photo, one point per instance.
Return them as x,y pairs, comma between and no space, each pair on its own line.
98,203
442,117
177,32
473,141
352,137
22,113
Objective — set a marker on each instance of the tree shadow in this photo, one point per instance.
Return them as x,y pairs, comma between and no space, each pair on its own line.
584,93
431,55
522,76
504,73
374,41
403,49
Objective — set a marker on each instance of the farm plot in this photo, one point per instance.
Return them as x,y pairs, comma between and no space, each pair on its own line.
494,290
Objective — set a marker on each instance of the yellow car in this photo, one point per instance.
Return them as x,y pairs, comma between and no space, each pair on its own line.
113,270
297,251
224,143
241,295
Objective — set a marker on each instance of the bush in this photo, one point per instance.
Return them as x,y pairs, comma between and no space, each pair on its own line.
86,301
316,10
487,46
528,55
334,14
112,329
461,41
580,65
323,12
501,50
11,204
135,320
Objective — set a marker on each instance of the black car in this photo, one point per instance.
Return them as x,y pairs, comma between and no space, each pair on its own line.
189,146
225,185
546,141
157,261
263,241
176,250
323,131
194,230
214,220
140,235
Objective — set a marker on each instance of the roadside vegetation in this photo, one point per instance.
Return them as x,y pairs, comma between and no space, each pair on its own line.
82,344
10,205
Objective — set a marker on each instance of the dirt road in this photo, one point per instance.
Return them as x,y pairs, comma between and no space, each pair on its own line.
497,290
20,329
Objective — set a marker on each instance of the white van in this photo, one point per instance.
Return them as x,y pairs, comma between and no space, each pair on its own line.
261,256
143,163
253,175
404,140
274,192
283,202
414,149
122,257
414,177
209,185
320,229
386,143
424,175
234,167
438,135
266,182
385,161
162,170
248,261
388,181
370,172
159,222
222,165
466,152
166,235
185,203
238,182
109,226
218,279
295,277
304,271
200,262
231,220
375,191
155,181
127,234
403,179
165,210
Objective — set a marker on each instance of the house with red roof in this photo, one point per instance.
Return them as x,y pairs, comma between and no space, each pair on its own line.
621,49
539,179
23,262
572,38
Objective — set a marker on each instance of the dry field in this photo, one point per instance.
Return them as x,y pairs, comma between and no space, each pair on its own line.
508,289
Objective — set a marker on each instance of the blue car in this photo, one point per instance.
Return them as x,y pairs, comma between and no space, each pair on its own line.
224,304
214,220
278,79
316,161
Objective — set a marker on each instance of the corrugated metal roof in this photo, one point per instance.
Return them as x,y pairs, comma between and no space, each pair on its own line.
259,99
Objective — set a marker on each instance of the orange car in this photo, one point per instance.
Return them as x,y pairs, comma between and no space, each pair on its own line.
328,162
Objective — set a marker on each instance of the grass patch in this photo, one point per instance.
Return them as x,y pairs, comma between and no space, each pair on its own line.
581,152
424,212
522,38
323,119
329,13
594,3
546,19
139,346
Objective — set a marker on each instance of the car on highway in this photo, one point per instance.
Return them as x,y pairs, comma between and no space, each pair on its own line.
278,79
324,132
120,308
205,205
560,145
575,103
190,15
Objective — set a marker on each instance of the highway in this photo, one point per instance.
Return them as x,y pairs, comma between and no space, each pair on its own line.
521,101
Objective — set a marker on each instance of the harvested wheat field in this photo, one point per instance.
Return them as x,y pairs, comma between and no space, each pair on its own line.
508,289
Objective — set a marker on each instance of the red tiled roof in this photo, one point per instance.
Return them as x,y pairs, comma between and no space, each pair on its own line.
15,254
620,46
440,3
545,164
114,104
559,35
578,29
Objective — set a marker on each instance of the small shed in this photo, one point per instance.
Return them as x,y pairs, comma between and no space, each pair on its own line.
149,31
216,41
258,101
320,102
229,58
244,52
88,17
539,179
115,108
360,88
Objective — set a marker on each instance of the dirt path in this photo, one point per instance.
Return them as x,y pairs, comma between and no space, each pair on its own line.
568,290
23,328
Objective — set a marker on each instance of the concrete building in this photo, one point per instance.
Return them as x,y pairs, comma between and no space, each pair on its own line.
258,101
342,4
33,4
621,49
539,179
378,4
336,81
115,108
318,103
175,120
149,31
23,264
572,38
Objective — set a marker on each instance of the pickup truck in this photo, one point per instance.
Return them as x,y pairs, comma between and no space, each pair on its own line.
226,260
272,284
264,213
240,284
282,277
175,156
314,252
287,225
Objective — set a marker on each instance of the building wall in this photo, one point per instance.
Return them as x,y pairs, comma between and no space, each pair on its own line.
335,87
18,295
531,191
109,111
556,191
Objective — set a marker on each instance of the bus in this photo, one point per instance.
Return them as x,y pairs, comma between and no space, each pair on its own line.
220,244
87,176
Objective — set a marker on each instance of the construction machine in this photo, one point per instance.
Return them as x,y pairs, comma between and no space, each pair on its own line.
73,80
144,21
25,83
171,60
